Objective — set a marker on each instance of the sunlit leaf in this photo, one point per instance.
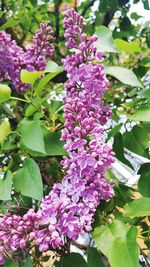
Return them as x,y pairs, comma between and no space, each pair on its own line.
124,251
105,41
124,75
30,77
105,235
137,208
128,47
4,130
142,113
144,93
5,92
53,67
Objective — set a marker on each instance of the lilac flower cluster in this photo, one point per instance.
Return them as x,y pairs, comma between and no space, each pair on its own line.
41,48
11,61
69,208
15,232
13,58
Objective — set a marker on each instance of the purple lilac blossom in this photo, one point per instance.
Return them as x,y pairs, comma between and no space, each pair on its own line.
69,208
13,58
11,61
40,49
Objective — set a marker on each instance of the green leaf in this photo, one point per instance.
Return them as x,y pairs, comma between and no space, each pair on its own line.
39,141
27,262
36,104
10,263
144,181
119,149
55,107
129,106
124,251
53,145
122,194
114,130
6,186
124,75
94,258
146,4
128,47
28,180
105,41
137,140
30,77
4,130
44,81
135,16
72,260
53,67
108,5
144,93
9,24
142,113
5,92
1,13
105,235
32,136
8,146
137,208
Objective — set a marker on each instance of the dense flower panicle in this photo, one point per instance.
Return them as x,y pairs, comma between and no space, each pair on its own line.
41,48
11,61
69,208
16,231
13,58
76,198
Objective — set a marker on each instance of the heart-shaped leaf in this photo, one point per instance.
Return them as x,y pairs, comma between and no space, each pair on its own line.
105,41
137,208
28,180
124,251
124,75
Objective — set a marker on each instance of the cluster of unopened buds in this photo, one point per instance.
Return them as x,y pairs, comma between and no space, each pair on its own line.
69,208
